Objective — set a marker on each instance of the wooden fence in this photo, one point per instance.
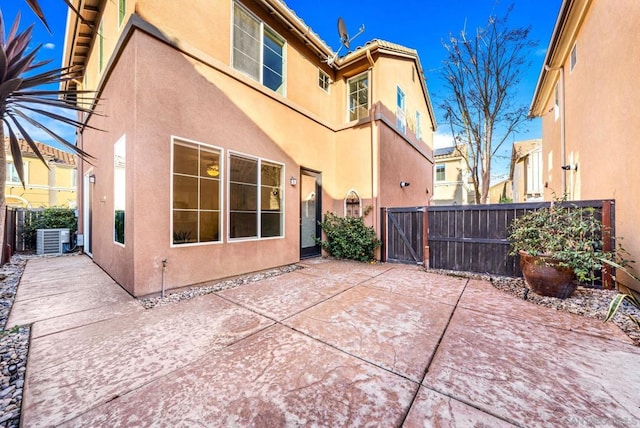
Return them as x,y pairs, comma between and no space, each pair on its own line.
474,237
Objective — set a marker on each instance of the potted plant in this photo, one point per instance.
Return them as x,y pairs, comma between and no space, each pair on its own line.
558,245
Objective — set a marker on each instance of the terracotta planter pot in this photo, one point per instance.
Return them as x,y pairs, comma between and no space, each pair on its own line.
543,276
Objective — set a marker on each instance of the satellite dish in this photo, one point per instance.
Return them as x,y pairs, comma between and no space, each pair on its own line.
342,32
344,39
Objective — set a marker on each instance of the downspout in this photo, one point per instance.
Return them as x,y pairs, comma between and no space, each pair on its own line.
563,149
373,141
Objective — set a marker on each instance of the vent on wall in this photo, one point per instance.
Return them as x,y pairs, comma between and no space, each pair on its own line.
52,241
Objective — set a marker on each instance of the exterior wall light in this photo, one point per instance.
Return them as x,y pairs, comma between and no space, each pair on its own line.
404,184
293,181
92,178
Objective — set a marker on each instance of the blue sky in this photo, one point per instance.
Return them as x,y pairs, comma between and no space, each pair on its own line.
418,24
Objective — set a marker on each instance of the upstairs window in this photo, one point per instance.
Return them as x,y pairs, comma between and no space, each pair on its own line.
440,173
100,47
358,97
418,126
401,111
12,173
323,80
122,6
257,50
574,57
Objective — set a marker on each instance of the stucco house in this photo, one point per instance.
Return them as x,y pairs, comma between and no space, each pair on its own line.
51,185
588,96
525,172
230,127
451,177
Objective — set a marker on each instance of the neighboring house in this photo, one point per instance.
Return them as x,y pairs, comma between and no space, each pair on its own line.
451,177
526,171
588,96
228,129
501,192
54,186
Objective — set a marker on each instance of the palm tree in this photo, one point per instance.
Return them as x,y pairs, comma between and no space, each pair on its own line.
24,99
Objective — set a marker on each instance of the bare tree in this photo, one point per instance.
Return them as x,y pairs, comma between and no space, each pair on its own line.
482,72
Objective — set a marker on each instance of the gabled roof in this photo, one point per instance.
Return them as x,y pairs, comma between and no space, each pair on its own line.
570,18
49,153
522,149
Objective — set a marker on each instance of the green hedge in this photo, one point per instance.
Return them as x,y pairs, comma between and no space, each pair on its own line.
349,238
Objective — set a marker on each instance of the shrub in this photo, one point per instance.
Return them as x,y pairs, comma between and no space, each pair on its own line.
49,218
569,234
349,238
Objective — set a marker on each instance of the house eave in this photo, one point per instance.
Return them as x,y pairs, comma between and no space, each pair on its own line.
570,18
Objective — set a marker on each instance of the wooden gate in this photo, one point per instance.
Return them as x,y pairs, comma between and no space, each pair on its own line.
404,235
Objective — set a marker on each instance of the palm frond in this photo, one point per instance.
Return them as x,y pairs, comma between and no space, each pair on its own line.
35,7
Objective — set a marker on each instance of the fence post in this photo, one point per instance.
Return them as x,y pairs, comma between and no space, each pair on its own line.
607,278
383,234
425,237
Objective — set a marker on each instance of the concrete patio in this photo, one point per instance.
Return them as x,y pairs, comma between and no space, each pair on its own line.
332,344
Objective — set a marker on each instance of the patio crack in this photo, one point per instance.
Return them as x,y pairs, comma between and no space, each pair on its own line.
435,351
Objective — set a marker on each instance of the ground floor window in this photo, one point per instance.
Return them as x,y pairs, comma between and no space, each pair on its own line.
196,193
255,198
352,205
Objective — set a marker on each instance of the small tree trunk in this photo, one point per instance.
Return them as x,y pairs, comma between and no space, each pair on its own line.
3,201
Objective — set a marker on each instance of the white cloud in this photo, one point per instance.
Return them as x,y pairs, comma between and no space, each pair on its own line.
49,46
540,52
442,140
65,131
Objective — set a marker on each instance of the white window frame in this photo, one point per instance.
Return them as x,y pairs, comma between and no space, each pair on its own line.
418,126
322,78
556,102
354,191
175,138
573,57
444,172
119,192
25,169
259,161
401,110
356,78
100,47
122,12
264,29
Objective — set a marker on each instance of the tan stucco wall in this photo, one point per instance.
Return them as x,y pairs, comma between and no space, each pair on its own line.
602,101
199,97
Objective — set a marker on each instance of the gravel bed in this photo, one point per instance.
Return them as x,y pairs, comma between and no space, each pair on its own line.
588,302
14,346
201,290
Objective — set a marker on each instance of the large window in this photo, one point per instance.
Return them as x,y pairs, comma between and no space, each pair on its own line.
255,198
196,193
358,97
401,112
119,189
440,172
257,50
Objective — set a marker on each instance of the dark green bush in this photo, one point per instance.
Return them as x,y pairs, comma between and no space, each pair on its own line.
49,218
349,238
